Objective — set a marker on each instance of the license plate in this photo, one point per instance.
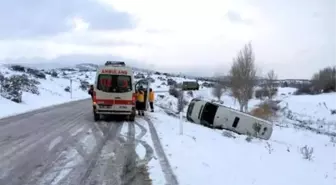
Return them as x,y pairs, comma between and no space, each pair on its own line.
123,107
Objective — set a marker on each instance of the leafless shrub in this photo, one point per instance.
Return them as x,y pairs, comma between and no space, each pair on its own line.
271,77
190,93
2,79
54,74
307,152
174,92
217,91
264,92
243,76
265,110
305,89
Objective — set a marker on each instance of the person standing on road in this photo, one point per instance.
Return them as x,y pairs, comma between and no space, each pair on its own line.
90,92
141,102
151,99
136,101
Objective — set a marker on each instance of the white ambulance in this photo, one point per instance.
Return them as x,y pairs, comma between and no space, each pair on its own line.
114,91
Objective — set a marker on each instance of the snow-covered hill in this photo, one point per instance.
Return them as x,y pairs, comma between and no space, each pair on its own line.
202,155
53,88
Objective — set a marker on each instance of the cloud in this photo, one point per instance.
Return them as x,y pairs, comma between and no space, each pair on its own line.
22,19
235,17
198,37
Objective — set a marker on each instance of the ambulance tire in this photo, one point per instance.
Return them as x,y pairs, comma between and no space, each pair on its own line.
131,118
96,116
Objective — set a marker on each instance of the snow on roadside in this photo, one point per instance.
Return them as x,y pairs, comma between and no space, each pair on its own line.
51,93
204,156
154,168
32,102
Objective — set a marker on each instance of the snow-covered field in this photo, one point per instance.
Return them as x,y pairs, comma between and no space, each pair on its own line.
233,160
205,156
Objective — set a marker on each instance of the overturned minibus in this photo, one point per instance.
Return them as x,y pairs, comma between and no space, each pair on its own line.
219,116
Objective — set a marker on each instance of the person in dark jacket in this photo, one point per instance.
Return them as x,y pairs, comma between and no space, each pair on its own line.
90,92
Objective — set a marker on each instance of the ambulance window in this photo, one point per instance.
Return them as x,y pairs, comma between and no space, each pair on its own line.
114,83
105,82
124,83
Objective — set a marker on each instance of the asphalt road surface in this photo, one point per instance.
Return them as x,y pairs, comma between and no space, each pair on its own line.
61,145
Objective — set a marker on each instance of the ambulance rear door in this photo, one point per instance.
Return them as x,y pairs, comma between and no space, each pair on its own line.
114,93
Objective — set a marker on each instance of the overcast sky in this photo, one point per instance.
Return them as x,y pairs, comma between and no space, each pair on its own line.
294,37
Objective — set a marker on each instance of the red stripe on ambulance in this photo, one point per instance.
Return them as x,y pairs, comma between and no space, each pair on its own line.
114,102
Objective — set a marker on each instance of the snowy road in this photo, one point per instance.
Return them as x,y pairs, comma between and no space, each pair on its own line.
61,145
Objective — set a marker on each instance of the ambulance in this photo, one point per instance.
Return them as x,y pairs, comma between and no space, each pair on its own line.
114,91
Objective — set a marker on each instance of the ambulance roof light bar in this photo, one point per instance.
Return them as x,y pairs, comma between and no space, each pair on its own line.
115,63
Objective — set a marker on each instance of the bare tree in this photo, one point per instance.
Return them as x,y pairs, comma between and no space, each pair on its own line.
218,89
325,79
271,77
243,76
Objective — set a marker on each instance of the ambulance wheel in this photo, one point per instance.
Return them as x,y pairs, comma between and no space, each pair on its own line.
96,116
131,118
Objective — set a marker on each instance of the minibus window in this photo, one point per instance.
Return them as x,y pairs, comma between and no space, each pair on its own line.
190,108
235,122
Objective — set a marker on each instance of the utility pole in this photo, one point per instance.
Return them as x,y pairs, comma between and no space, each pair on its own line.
70,88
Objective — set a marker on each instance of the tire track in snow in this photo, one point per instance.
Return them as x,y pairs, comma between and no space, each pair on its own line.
129,169
92,161
106,168
164,162
54,142
142,132
149,150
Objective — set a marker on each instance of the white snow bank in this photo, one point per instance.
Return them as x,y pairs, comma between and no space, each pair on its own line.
315,106
204,156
